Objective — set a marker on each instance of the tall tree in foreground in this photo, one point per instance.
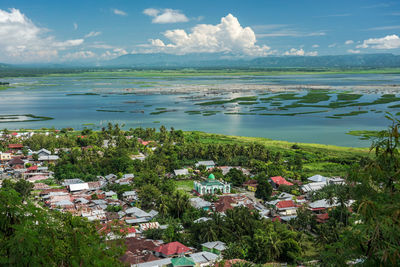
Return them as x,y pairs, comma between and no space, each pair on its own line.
373,237
33,236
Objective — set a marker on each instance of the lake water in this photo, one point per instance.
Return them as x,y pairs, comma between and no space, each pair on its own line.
63,99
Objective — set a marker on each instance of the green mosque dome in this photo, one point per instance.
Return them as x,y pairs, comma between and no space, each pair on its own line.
211,177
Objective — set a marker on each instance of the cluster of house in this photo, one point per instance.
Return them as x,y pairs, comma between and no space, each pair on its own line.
32,166
284,205
92,201
151,253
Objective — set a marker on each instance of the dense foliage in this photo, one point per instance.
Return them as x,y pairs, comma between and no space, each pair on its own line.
33,236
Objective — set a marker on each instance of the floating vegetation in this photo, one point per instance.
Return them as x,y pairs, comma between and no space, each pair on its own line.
384,99
248,103
5,85
364,134
87,124
332,117
193,112
210,112
347,97
288,96
82,94
22,118
258,108
314,97
234,100
162,111
147,105
394,106
161,108
109,110
240,113
156,121
130,93
352,113
292,114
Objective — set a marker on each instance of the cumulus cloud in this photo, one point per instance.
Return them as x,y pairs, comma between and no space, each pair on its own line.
387,42
163,16
75,26
300,52
352,51
348,42
92,34
116,52
79,55
332,45
22,41
315,46
119,12
227,36
295,52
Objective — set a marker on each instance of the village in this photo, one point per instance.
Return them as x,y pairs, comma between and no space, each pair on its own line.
119,214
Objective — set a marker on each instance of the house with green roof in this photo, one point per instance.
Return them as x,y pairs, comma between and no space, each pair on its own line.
215,247
212,186
182,261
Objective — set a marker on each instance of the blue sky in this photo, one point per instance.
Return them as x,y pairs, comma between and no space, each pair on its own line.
58,31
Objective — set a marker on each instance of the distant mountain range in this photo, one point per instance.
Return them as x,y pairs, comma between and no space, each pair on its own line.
220,60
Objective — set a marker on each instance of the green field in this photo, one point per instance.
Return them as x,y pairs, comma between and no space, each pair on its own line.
185,185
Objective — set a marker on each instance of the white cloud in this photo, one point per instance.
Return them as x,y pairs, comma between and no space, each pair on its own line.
299,52
22,41
79,55
315,46
119,12
163,16
116,52
332,45
387,42
92,34
294,52
228,36
157,43
152,12
75,26
348,42
352,51
69,43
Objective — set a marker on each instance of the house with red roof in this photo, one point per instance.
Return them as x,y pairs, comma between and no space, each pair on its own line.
172,249
145,143
15,146
16,163
322,218
277,181
286,208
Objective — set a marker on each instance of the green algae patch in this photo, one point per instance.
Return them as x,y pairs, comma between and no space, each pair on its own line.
23,118
234,100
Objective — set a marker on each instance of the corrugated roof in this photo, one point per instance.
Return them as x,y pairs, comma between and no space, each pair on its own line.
78,187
